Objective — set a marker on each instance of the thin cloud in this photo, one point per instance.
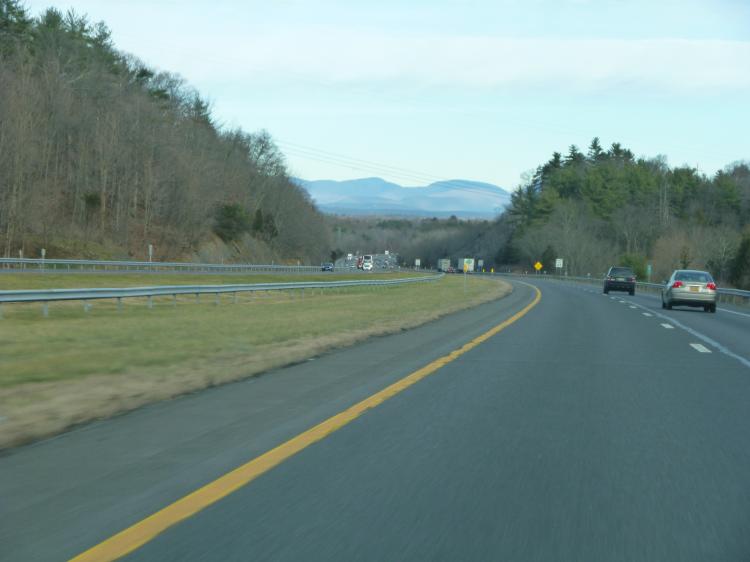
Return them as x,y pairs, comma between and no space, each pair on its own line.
332,56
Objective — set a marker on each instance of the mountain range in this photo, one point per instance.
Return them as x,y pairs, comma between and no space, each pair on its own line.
375,196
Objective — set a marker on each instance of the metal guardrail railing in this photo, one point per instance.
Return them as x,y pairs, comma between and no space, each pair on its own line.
38,264
51,295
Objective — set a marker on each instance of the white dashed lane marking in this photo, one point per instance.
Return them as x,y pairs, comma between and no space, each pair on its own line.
647,314
700,348
668,326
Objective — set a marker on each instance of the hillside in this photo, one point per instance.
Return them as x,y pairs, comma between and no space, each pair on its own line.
101,156
375,196
607,206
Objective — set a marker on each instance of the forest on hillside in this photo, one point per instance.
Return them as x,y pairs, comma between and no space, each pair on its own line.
426,239
607,206
100,156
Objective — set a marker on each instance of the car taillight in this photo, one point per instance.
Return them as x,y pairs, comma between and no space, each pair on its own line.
677,284
711,286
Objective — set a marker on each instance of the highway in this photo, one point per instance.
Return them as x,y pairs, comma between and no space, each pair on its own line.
587,427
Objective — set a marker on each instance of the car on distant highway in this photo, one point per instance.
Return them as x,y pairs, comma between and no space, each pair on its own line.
689,287
619,278
326,267
367,266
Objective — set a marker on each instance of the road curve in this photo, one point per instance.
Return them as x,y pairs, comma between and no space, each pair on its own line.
593,428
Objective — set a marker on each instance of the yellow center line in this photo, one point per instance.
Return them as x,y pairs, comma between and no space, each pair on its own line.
147,529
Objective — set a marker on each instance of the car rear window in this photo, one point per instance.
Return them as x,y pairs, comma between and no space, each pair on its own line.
694,276
621,272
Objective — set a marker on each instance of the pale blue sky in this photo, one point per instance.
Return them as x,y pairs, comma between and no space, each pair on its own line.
447,89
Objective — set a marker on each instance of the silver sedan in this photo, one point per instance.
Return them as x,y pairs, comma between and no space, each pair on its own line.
689,287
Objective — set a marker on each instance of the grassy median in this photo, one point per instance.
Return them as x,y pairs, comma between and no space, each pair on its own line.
77,365
50,280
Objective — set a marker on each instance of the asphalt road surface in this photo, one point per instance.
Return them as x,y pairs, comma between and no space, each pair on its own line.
596,427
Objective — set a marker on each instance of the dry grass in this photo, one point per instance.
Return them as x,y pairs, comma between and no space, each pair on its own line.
76,366
50,280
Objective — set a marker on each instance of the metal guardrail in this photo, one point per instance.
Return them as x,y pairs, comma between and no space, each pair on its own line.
38,264
52,295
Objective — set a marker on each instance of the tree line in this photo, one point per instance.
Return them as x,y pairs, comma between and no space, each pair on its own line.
102,155
604,207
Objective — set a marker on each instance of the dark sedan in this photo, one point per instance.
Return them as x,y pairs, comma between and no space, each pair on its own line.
619,279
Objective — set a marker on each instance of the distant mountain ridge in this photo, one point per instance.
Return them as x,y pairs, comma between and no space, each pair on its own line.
375,196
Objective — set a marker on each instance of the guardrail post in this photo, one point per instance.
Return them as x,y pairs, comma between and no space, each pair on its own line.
174,300
86,307
1,311
150,302
45,310
216,299
234,298
197,298
119,304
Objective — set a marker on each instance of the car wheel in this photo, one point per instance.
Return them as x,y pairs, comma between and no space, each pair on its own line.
707,308
606,291
712,308
632,292
662,303
668,306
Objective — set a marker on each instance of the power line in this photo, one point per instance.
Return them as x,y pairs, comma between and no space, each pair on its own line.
328,157
359,160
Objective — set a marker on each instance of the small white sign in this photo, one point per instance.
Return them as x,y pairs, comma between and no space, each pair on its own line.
558,263
386,252
417,262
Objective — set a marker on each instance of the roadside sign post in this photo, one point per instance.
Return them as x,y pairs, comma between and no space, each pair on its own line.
559,266
150,252
538,266
44,253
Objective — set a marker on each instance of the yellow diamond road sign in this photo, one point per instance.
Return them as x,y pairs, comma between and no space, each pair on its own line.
537,266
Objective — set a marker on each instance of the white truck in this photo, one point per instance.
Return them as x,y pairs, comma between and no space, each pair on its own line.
443,264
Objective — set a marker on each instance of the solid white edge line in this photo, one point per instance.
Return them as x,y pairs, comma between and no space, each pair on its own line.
733,312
